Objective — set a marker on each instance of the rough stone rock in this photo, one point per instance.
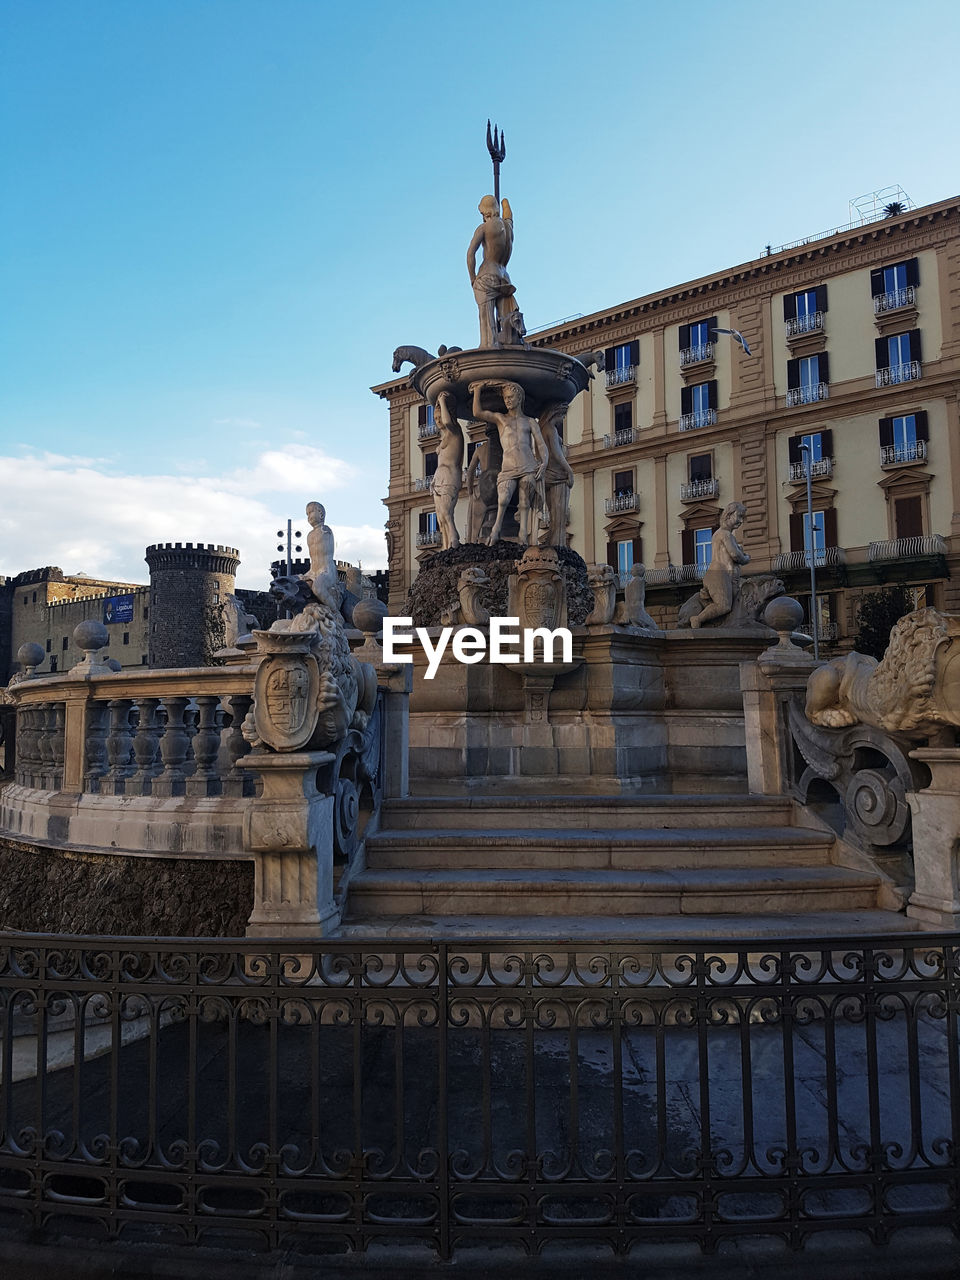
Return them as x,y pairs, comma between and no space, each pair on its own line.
435,588
60,891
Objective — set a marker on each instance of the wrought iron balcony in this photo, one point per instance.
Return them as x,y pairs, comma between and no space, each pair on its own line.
659,577
694,355
422,482
429,539
892,455
931,544
893,299
426,430
908,372
687,572
810,323
823,558
622,502
626,435
809,394
699,418
695,489
822,469
619,377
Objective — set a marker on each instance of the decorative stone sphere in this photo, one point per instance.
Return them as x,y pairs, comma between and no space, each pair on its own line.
783,613
113,664
30,654
368,616
90,635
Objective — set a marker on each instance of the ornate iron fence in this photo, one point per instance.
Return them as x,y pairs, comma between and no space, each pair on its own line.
345,1093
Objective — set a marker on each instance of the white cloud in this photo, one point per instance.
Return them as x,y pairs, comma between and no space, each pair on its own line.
84,516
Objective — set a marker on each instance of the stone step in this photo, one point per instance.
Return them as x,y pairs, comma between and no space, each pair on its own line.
532,893
610,812
559,849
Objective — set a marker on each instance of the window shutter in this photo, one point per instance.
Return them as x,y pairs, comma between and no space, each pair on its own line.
826,444
876,282
609,359
886,433
821,297
793,374
908,517
622,417
830,527
686,400
823,366
883,353
638,550
635,352
429,464
789,306
701,466
612,555
622,482
686,545
712,394
711,328
920,422
796,531
913,271
422,416
915,345
793,445
684,337
423,522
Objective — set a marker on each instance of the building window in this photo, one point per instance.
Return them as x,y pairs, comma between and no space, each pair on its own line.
472,448
34,597
622,484
818,536
898,358
143,661
621,363
625,555
146,612
426,425
49,644
894,286
702,547
820,455
26,599
66,643
428,534
429,464
904,438
126,637
803,311
698,406
53,664
908,517
700,466
807,379
814,535
696,341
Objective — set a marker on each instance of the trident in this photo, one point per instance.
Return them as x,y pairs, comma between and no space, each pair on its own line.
497,146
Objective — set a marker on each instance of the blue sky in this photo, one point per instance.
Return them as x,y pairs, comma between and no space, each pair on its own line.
219,217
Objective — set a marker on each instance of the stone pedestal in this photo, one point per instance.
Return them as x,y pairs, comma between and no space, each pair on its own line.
769,684
290,832
935,901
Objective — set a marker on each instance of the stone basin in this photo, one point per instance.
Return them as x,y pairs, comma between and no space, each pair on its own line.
547,377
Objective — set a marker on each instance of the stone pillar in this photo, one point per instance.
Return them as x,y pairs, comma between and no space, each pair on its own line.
290,831
768,686
935,901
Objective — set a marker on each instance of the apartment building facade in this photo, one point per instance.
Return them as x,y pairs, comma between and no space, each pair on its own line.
853,369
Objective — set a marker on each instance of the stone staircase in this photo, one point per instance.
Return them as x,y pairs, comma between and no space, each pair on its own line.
659,866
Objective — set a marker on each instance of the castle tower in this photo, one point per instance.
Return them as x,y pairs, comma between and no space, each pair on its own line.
187,585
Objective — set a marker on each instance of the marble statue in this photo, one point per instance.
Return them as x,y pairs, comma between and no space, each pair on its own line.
411,355
914,689
524,456
449,472
481,494
557,481
470,609
603,583
322,577
236,620
721,582
632,612
499,313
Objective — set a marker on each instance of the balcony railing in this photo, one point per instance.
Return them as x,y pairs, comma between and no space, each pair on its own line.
431,538
827,632
823,558
822,469
908,372
893,454
622,502
931,544
809,394
422,482
618,377
810,323
625,435
894,299
693,355
426,430
695,489
699,418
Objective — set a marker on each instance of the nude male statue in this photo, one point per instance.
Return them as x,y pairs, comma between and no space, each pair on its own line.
500,323
722,579
322,574
524,456
447,477
557,480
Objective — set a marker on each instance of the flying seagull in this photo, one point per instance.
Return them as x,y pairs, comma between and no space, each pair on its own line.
737,336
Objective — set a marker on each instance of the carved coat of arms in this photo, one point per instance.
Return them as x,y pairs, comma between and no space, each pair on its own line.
286,692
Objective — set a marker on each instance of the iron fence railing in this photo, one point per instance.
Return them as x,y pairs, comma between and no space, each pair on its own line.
808,394
909,371
450,1093
893,299
820,469
698,418
620,376
931,544
812,322
894,454
694,355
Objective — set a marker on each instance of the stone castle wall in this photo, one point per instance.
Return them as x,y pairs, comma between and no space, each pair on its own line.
188,583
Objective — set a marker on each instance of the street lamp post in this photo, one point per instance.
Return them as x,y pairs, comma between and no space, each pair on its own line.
288,546
812,552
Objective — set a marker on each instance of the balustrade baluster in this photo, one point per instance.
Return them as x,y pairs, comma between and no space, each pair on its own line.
95,746
174,746
146,747
26,745
239,781
45,731
119,748
57,744
206,743
190,724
